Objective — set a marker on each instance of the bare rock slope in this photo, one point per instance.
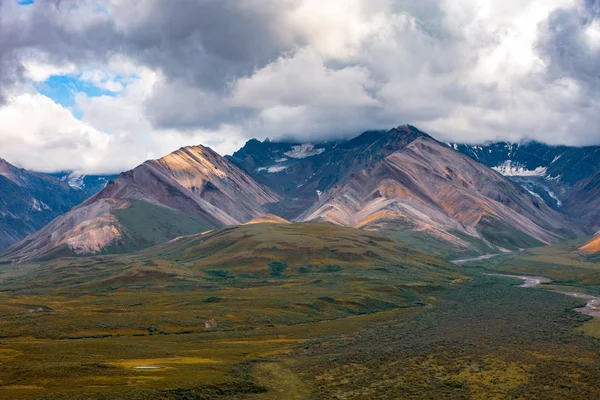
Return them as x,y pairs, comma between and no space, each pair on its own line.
190,190
427,186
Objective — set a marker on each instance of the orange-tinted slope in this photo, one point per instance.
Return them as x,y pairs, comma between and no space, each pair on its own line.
592,247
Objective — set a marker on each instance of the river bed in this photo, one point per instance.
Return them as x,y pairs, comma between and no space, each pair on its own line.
483,257
592,308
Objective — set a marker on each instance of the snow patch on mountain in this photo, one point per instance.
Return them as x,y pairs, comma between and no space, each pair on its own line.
79,181
75,180
551,194
304,151
272,169
38,205
508,168
534,194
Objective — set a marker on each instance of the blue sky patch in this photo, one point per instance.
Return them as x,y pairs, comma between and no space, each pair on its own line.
25,2
63,89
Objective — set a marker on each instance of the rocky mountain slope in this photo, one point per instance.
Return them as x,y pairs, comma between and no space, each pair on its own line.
401,180
29,200
300,173
188,191
583,202
566,178
429,187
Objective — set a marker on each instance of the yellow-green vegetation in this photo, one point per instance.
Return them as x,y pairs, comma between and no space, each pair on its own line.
80,326
303,311
487,339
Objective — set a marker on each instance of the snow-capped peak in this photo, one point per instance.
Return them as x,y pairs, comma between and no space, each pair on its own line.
304,151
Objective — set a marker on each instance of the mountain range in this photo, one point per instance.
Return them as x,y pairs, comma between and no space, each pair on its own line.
474,198
565,178
191,190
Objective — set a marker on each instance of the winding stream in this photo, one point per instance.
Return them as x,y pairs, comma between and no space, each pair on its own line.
529,281
592,308
483,257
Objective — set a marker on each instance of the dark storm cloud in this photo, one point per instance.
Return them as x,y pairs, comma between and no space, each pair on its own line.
567,48
204,69
199,45
206,42
203,42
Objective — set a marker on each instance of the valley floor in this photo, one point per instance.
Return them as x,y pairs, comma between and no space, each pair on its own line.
477,339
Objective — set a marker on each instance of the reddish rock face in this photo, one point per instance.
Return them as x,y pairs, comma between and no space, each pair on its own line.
427,186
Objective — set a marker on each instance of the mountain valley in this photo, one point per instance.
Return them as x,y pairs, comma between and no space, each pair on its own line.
297,270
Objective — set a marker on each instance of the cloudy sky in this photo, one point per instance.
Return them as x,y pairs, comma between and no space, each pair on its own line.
100,86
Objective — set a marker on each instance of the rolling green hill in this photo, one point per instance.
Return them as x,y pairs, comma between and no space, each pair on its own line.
247,256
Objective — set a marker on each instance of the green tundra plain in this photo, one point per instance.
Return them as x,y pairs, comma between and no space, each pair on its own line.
303,311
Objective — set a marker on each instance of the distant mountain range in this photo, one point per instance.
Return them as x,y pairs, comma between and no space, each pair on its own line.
396,181
30,200
88,184
565,178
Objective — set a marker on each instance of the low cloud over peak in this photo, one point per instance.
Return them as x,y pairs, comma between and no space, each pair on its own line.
100,86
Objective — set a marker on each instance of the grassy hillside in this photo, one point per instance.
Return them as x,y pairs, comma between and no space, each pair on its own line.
248,256
143,225
501,234
433,245
148,225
